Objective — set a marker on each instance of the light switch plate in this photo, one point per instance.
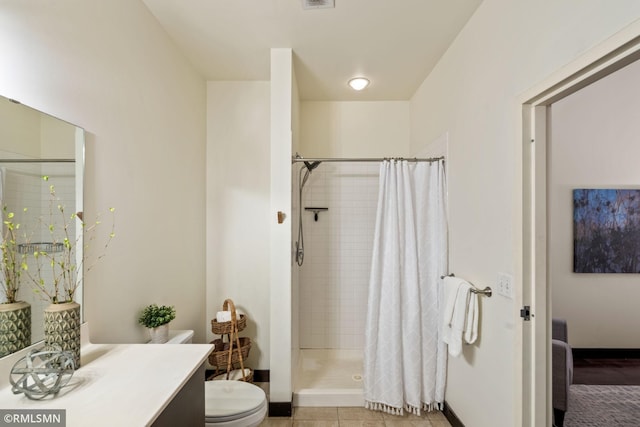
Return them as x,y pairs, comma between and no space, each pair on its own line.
505,285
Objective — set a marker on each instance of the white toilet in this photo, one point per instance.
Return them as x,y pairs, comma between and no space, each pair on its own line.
228,403
233,403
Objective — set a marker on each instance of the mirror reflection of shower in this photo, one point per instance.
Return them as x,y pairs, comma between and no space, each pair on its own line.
302,180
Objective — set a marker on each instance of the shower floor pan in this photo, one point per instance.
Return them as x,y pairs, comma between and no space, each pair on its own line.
329,378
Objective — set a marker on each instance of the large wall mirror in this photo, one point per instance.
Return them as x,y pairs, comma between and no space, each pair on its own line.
33,145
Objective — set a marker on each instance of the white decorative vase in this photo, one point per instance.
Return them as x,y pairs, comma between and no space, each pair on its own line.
159,335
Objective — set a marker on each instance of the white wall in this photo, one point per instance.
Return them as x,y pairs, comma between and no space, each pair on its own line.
109,68
238,170
506,48
282,130
593,144
295,284
354,129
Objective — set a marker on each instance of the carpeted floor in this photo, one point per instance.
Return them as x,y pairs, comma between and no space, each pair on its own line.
603,406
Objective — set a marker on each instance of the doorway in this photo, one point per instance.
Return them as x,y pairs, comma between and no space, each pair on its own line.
616,53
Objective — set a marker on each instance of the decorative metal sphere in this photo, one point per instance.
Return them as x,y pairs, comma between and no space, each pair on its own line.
42,373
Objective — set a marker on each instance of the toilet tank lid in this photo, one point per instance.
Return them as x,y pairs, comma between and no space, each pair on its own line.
180,337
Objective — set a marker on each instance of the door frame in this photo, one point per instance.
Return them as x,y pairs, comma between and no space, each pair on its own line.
613,54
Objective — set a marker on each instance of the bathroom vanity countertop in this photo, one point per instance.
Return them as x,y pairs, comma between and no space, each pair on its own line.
119,384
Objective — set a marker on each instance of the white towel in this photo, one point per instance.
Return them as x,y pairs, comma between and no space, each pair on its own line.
451,285
223,316
460,316
471,325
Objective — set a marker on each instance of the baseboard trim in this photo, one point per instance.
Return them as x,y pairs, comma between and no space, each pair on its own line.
259,375
606,353
280,409
451,416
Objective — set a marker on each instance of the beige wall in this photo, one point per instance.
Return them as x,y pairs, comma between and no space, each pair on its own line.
283,112
293,224
238,170
594,144
20,130
25,132
109,68
473,93
354,129
57,138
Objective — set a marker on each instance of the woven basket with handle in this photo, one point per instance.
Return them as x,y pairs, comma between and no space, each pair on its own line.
224,328
220,354
235,350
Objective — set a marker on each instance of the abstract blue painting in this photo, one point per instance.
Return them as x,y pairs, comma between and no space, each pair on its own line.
606,231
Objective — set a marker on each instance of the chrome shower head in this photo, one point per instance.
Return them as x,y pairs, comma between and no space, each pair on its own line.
311,165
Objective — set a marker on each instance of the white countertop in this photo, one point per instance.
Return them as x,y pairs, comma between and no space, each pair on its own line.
119,384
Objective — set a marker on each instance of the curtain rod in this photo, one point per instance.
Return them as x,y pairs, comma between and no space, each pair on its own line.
364,159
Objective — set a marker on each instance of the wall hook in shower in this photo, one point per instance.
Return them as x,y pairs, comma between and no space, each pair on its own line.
316,211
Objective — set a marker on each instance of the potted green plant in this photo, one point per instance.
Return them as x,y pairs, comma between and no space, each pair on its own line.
156,319
15,315
58,268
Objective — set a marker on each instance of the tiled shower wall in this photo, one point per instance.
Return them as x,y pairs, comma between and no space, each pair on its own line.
334,279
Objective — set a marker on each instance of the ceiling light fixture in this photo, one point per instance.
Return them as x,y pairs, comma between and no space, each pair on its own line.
358,83
318,4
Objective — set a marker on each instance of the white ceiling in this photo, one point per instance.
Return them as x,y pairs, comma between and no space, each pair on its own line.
393,43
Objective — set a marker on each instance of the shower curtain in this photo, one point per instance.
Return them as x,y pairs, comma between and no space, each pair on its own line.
404,357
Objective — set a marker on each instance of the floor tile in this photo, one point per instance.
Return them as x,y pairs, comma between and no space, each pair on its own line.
354,417
436,416
315,423
408,423
358,414
276,422
362,423
307,413
407,416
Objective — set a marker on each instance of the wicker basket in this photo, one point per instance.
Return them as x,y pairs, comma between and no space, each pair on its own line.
219,357
223,328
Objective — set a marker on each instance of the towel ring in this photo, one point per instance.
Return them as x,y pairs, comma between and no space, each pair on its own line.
486,291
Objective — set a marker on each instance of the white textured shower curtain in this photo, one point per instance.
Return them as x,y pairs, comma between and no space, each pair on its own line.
404,357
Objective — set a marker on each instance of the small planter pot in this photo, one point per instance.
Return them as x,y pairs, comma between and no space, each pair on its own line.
15,327
159,335
62,328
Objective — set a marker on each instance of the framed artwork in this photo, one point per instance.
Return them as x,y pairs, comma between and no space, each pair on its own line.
606,231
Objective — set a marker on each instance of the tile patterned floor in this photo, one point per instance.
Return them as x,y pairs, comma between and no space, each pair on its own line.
351,417
354,417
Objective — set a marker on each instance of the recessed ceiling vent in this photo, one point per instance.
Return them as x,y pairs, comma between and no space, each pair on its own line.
318,4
